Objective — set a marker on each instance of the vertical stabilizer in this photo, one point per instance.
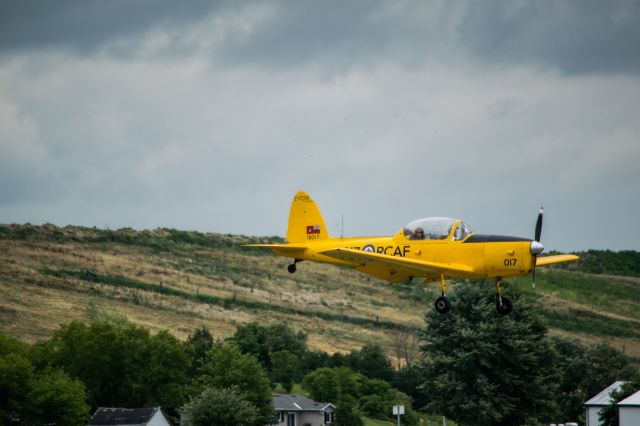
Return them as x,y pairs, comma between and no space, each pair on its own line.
305,220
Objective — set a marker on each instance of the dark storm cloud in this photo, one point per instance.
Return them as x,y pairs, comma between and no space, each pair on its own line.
301,32
575,37
340,33
86,25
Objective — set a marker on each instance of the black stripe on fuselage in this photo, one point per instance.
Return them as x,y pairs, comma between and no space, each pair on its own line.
485,238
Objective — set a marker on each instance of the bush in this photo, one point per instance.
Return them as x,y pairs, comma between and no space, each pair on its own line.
219,407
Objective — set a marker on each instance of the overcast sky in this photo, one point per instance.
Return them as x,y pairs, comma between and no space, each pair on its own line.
210,116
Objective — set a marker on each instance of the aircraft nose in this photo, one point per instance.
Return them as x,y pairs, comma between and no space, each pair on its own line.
536,247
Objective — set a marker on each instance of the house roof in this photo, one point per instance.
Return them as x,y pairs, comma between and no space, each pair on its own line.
604,397
631,401
298,403
123,416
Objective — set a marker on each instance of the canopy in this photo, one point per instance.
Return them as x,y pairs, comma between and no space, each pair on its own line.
436,228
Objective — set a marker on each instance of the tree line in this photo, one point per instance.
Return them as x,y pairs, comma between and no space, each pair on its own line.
472,365
623,262
113,363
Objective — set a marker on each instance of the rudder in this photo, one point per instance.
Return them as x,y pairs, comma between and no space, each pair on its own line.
305,220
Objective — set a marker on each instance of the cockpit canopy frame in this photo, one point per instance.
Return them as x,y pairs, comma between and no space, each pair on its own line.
436,228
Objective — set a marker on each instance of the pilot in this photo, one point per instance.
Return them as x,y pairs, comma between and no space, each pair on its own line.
418,234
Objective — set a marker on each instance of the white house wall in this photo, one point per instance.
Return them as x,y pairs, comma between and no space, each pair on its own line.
593,416
314,418
629,416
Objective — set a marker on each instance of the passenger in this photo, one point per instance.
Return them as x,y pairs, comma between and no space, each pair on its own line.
418,234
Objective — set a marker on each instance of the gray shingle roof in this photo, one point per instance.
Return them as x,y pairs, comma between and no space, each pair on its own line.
122,416
298,403
631,401
604,397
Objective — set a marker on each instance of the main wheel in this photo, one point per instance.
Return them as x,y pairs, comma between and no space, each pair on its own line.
291,268
505,307
442,305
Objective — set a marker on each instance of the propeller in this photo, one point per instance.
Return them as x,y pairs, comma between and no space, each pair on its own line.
536,246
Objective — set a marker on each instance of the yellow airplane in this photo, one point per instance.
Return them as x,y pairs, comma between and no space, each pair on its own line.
433,248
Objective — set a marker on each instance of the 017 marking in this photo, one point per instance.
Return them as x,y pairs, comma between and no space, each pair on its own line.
510,262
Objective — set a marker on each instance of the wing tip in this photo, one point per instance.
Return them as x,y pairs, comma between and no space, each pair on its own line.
553,259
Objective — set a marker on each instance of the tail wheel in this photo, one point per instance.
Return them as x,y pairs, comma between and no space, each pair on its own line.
291,268
442,305
504,306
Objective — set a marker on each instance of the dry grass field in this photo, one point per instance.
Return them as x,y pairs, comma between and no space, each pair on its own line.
166,279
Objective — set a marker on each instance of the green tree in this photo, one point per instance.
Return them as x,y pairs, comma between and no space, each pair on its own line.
312,360
16,374
106,357
372,362
378,397
264,341
409,380
165,374
57,399
285,369
329,384
200,343
34,398
372,397
226,367
605,366
573,365
481,368
220,407
120,364
11,345
347,413
322,384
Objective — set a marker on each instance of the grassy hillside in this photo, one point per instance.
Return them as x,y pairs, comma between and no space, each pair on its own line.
177,280
625,262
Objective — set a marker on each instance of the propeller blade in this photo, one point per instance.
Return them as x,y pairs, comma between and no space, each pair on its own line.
539,224
538,233
533,281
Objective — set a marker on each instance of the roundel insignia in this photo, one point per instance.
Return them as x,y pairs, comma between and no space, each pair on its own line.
369,248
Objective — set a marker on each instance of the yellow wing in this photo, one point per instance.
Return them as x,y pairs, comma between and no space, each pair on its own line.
549,260
283,249
398,265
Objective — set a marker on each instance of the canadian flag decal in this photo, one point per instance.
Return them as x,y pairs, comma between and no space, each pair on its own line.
313,229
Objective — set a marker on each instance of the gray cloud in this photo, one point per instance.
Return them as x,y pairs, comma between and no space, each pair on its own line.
576,37
384,112
573,37
86,26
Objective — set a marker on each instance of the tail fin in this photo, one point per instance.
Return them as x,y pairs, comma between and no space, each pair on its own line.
305,220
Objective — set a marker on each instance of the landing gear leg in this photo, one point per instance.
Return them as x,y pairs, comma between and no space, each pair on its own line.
442,303
292,268
503,304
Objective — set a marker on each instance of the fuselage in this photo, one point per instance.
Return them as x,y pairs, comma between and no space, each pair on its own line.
488,256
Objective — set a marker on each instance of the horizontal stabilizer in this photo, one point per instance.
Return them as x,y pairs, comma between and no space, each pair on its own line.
280,247
550,260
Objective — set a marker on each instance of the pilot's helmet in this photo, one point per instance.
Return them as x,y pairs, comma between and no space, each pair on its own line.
418,234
